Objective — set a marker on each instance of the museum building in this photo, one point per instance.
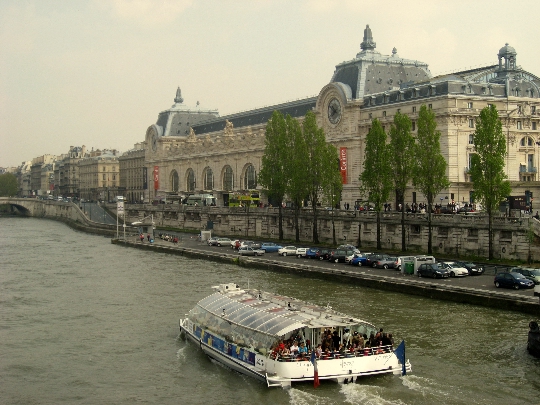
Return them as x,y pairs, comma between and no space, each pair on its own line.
192,150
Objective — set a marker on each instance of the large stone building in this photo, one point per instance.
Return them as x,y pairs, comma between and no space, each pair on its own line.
223,154
133,174
99,176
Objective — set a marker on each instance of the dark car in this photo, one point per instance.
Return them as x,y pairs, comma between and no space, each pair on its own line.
387,262
339,255
512,280
432,270
473,268
531,274
372,258
323,254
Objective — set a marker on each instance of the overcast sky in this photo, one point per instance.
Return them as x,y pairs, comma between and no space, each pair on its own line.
98,72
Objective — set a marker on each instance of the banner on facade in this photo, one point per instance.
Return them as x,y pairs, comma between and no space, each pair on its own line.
145,178
156,177
343,164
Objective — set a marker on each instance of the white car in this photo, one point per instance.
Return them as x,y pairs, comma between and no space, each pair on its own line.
301,252
287,250
248,251
454,269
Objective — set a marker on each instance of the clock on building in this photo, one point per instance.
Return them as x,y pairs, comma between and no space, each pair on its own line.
334,111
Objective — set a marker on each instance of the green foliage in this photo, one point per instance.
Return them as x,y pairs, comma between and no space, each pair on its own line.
429,172
376,178
487,164
402,152
8,185
274,174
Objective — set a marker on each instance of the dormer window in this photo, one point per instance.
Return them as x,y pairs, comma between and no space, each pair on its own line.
469,105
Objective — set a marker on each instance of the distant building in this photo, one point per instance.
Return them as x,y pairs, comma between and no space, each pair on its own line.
133,174
99,176
223,154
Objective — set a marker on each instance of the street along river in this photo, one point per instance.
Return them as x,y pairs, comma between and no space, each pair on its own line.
83,321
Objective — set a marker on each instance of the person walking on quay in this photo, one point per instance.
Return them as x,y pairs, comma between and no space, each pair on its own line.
141,236
148,237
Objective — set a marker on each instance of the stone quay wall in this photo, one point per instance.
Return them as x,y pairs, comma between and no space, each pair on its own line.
515,238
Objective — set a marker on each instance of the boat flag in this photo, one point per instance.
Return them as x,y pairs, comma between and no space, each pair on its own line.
313,359
400,354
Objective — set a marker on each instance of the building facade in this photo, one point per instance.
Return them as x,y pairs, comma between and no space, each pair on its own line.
133,174
223,154
99,176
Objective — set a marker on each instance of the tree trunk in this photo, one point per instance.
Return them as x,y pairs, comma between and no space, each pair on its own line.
315,230
296,214
403,242
490,235
280,221
378,230
359,235
429,246
333,228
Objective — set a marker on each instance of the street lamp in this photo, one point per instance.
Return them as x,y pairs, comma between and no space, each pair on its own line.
142,220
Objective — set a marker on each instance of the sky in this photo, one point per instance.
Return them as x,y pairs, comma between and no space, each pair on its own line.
98,72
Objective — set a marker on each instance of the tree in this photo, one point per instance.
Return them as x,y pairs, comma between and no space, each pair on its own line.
487,165
296,164
332,197
402,162
321,167
8,185
429,172
376,178
274,172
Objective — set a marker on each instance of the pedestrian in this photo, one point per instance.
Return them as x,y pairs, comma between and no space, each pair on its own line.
142,237
148,237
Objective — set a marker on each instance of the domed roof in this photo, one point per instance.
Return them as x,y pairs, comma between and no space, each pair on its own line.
507,49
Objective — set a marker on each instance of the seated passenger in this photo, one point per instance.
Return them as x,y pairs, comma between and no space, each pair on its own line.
302,350
294,348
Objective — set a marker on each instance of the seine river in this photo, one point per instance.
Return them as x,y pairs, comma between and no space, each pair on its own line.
83,321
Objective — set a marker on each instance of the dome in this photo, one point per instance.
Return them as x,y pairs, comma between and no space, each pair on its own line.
507,50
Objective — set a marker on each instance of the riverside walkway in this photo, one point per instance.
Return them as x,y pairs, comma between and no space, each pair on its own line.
476,290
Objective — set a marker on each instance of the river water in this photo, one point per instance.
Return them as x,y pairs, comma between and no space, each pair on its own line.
83,321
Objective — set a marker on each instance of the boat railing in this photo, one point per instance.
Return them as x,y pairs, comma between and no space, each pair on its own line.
368,351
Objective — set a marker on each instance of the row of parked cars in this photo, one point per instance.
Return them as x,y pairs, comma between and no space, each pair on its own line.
517,277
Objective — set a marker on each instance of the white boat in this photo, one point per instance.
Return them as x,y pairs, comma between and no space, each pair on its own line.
241,329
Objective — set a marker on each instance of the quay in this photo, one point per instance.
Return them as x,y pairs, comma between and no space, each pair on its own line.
475,290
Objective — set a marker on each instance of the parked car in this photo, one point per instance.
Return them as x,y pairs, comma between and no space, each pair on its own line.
311,253
270,247
248,251
212,241
223,242
360,259
512,280
372,258
287,250
301,252
339,255
432,270
348,247
455,269
531,274
387,262
473,268
323,254
250,243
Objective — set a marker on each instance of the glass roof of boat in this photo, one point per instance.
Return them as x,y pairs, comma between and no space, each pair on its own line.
270,313
269,318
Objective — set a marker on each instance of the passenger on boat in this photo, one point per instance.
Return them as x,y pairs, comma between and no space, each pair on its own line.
335,340
385,341
318,351
294,348
302,350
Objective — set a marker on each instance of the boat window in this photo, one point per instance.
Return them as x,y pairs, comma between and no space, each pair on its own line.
240,315
277,324
217,304
262,319
212,298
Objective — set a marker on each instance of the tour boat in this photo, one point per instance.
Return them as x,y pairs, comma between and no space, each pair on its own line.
243,328
533,340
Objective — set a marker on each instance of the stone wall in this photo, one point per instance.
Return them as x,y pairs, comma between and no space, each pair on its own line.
453,235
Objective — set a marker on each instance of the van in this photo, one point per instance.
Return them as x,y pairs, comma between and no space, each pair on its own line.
201,199
119,198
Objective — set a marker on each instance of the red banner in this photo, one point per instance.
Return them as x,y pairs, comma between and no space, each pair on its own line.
343,164
156,177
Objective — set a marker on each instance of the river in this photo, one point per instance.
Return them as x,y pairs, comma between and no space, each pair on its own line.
83,321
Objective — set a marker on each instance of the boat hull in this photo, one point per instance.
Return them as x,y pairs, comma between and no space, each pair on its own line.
282,373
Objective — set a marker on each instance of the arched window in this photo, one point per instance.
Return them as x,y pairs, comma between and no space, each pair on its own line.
208,179
526,141
228,181
250,178
174,181
190,180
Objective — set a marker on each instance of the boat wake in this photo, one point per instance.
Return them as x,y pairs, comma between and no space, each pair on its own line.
298,397
181,353
366,395
427,387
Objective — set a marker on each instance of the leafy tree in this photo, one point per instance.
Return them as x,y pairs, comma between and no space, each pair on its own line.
274,172
332,197
487,165
296,163
402,162
8,185
429,173
321,167
376,178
